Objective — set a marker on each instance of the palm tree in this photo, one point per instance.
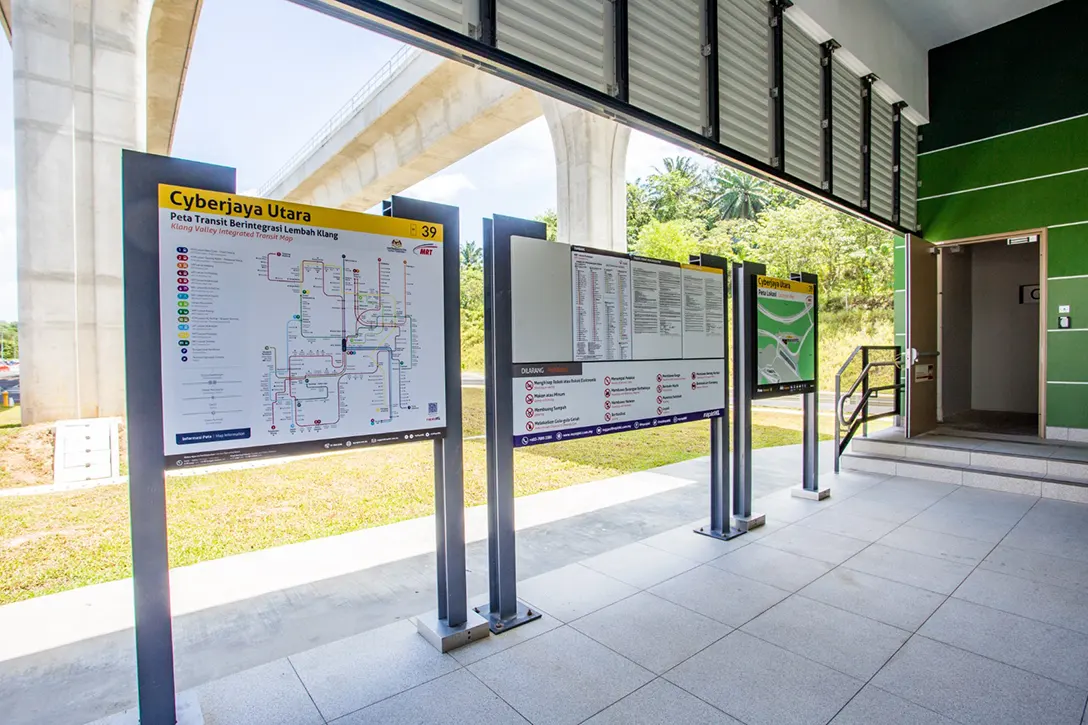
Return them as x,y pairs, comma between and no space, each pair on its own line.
675,191
471,255
737,195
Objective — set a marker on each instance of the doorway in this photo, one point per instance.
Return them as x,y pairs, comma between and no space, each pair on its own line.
990,302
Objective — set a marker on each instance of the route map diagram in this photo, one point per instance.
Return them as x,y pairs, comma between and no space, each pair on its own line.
287,328
785,336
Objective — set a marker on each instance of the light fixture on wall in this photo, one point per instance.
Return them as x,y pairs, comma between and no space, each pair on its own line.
1029,239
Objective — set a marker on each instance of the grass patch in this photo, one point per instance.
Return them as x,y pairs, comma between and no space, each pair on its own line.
61,541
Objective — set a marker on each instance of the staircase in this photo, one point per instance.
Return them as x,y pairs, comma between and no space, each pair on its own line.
1039,468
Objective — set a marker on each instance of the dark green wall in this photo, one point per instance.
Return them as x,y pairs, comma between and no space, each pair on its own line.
1007,150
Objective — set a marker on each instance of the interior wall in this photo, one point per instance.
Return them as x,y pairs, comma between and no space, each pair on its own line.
956,331
1005,333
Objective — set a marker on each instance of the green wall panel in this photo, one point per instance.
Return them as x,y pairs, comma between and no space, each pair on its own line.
1056,200
1067,251
1067,406
1072,292
1023,155
900,264
1067,356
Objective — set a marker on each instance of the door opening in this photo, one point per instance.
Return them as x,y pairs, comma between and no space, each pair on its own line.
989,302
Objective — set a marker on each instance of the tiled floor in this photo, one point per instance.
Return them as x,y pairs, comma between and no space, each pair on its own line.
894,602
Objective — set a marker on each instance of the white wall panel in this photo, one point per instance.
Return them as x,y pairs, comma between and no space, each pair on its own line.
565,36
744,69
881,178
801,70
846,155
664,59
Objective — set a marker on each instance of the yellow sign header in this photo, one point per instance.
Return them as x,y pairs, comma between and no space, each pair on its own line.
784,285
202,201
697,268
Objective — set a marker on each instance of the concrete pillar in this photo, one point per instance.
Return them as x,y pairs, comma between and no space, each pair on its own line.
79,99
590,163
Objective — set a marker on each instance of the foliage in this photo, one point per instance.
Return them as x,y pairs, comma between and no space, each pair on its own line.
472,255
9,336
734,195
551,221
676,190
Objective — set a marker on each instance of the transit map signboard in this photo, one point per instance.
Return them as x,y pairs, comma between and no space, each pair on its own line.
785,337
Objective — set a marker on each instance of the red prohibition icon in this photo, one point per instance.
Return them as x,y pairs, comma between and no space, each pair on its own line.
607,393
659,400
528,384
607,380
659,377
693,376
608,416
659,411
529,412
659,388
530,425
529,399
607,405
693,386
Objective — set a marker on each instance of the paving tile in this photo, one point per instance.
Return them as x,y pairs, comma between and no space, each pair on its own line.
720,595
831,548
996,505
573,591
886,601
653,632
271,694
560,678
875,510
455,699
908,493
783,506
1042,602
1044,649
685,542
352,673
481,648
974,690
1056,527
761,684
640,565
1038,566
907,567
852,644
937,544
771,566
837,521
962,524
873,706
661,702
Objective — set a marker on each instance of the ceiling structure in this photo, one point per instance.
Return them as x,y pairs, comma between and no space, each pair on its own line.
936,22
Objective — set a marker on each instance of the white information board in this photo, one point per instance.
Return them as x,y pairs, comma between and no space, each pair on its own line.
288,328
704,312
560,402
658,310
601,296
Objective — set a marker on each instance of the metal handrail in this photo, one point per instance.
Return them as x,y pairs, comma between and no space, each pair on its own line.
370,89
860,415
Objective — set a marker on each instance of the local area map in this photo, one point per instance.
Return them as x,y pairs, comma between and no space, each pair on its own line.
320,332
785,336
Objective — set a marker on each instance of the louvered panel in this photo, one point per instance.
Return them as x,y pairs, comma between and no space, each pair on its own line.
801,67
846,157
447,13
908,179
881,179
564,36
744,62
665,63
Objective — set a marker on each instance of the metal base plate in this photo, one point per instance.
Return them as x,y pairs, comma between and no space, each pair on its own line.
818,495
499,625
747,523
444,637
730,533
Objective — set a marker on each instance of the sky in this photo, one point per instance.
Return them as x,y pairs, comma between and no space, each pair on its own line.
260,85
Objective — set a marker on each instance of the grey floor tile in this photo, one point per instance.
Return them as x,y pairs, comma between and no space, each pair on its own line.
455,699
873,706
906,567
560,678
573,591
1042,602
996,505
720,595
639,565
352,673
488,646
771,566
661,703
975,690
852,644
962,524
271,694
690,545
858,506
908,493
784,506
936,544
1044,649
832,548
653,632
762,684
1053,527
837,521
886,601
1038,566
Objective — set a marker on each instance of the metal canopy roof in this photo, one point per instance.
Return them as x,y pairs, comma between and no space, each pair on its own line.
936,22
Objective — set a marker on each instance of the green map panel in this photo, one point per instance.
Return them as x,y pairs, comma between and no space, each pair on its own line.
785,341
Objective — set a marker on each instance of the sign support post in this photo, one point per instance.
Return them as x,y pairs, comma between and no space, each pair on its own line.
810,456
743,362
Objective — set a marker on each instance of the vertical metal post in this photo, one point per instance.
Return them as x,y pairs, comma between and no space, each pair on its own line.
838,423
897,153
865,392
867,139
827,98
504,611
778,82
488,33
709,51
141,175
621,86
743,361
810,456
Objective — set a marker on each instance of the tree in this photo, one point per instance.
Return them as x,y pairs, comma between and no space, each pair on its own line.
736,195
472,256
639,211
9,340
675,239
551,221
675,191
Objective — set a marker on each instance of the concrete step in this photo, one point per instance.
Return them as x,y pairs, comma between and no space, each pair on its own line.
969,475
1028,460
